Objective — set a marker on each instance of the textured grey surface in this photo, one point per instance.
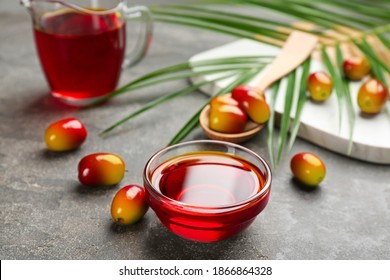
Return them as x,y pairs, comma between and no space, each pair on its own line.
46,214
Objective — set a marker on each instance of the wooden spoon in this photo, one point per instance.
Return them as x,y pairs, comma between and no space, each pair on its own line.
296,49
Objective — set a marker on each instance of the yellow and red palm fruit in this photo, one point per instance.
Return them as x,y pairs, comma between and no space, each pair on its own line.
101,169
242,90
253,103
308,168
129,205
356,67
320,86
372,96
65,135
227,119
223,100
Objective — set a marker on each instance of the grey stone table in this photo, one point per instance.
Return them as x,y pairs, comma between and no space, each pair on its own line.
46,214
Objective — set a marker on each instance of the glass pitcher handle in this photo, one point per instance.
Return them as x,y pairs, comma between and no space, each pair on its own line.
145,34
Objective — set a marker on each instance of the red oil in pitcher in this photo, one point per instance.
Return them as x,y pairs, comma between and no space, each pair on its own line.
81,54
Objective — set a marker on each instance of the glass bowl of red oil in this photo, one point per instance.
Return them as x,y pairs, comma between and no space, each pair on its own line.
207,190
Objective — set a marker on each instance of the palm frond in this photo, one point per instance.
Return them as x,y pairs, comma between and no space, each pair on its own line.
348,98
338,81
185,70
302,97
164,99
228,23
363,26
285,122
226,67
271,123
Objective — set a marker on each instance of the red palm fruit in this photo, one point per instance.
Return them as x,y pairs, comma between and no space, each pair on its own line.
101,169
65,135
223,100
227,119
320,86
372,96
129,205
243,90
253,103
356,68
308,168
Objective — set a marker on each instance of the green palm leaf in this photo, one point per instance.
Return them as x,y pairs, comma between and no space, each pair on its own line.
302,97
271,123
348,98
185,70
338,81
164,99
378,66
286,115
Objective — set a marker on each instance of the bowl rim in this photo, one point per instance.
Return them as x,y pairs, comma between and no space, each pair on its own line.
226,207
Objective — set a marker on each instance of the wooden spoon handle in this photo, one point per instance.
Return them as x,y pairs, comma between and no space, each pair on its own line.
297,48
